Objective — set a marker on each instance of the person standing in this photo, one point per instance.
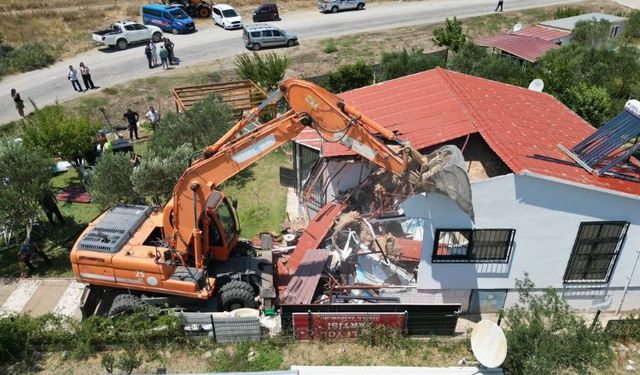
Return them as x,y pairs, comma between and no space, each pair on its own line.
132,122
154,117
168,45
164,55
18,102
72,75
500,3
86,77
147,52
50,207
154,53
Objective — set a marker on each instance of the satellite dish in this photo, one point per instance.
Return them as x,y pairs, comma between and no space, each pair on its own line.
536,85
488,344
517,27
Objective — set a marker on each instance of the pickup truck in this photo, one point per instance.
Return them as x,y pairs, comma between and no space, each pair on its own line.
123,33
334,6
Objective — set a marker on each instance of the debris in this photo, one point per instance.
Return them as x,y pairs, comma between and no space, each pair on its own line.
302,285
252,355
207,354
630,368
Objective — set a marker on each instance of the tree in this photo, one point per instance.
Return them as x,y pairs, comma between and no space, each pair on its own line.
450,36
403,63
265,70
69,138
633,26
592,103
200,126
110,183
350,76
546,337
157,174
596,34
24,178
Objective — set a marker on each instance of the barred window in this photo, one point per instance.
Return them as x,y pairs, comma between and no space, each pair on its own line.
595,251
473,245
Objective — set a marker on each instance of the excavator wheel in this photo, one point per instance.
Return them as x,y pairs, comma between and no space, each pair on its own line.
204,12
237,295
125,303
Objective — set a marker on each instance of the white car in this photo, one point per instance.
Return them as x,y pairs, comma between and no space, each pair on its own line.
225,16
123,33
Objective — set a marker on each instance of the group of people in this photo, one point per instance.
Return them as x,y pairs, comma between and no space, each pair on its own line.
72,75
166,54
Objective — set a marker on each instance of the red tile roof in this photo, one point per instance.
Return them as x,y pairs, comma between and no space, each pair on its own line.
521,126
544,33
525,47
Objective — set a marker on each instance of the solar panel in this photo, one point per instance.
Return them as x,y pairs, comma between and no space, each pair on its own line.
603,150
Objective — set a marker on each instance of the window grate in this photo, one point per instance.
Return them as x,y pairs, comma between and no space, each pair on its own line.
473,245
595,251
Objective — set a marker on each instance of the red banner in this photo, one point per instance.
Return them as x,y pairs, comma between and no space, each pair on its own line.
342,325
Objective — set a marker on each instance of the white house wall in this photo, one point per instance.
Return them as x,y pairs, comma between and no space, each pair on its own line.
546,216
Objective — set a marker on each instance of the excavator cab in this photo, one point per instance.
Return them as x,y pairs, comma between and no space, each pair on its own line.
220,226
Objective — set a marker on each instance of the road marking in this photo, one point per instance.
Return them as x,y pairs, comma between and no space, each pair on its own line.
70,301
19,298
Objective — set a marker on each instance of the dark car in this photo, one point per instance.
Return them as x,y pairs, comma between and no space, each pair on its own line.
266,12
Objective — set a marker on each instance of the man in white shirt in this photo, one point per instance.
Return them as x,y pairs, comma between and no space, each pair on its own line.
153,116
72,75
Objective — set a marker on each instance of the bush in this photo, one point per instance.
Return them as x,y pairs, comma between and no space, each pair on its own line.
22,59
566,12
403,63
350,76
625,330
264,70
592,103
594,34
329,46
546,337
633,26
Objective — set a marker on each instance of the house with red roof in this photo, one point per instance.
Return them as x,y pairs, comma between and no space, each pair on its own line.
537,211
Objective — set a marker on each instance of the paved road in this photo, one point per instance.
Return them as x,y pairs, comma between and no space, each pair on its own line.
45,86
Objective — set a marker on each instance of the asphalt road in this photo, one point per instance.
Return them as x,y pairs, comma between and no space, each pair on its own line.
108,67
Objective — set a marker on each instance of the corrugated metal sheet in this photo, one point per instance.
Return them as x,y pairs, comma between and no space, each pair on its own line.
525,47
521,126
303,284
240,329
570,22
544,33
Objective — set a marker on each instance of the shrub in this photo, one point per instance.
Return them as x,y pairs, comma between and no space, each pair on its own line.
402,63
566,12
626,330
592,103
546,337
265,70
350,76
633,26
329,46
29,57
594,34
450,36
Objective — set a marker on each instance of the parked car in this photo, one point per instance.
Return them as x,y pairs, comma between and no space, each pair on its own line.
334,6
123,33
167,18
225,16
264,35
266,12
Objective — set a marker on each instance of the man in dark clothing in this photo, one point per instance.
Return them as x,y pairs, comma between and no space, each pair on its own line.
168,45
50,207
132,122
500,3
27,250
147,52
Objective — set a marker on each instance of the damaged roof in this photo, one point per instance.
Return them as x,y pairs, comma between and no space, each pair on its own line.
521,126
525,47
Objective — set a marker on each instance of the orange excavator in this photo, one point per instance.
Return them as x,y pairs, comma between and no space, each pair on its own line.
190,251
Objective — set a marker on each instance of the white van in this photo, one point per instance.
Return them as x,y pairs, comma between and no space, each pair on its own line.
225,16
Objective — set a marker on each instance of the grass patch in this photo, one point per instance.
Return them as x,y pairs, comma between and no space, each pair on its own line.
262,202
329,46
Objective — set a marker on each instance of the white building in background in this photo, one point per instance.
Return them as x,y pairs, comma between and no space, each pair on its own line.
536,210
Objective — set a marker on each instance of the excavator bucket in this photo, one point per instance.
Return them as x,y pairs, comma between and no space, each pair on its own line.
443,171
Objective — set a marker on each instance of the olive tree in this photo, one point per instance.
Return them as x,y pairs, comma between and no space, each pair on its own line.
450,36
25,174
159,172
110,182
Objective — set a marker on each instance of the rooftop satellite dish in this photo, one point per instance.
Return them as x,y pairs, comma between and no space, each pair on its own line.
488,344
517,27
536,85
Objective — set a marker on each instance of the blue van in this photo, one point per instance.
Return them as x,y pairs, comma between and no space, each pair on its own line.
167,18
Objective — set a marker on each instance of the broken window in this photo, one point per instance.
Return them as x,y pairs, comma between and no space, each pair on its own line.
595,251
473,245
